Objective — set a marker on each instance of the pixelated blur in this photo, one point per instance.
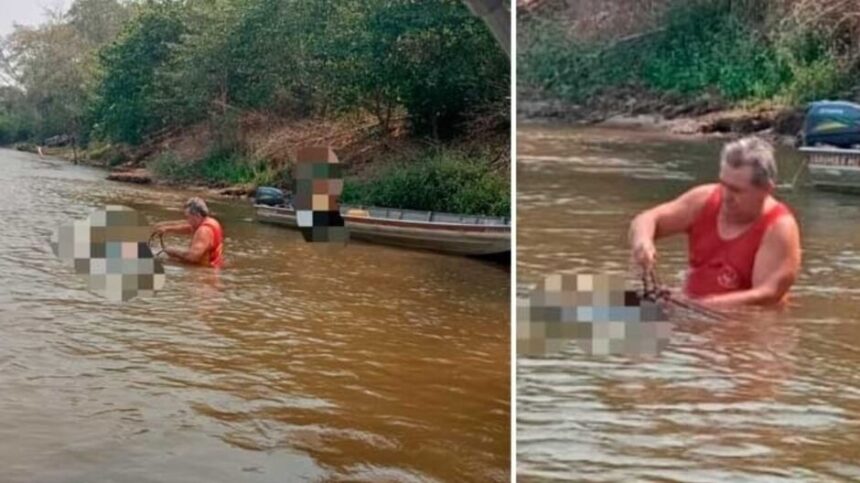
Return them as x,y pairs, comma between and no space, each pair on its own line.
318,185
111,249
599,312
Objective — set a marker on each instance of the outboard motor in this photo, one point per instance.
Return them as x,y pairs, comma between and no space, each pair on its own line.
269,196
834,123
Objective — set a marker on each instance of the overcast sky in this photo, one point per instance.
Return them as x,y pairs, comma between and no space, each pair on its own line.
27,12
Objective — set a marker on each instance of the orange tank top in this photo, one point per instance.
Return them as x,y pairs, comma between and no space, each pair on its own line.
719,266
216,252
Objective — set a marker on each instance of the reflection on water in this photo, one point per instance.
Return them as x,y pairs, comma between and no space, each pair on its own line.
771,396
298,361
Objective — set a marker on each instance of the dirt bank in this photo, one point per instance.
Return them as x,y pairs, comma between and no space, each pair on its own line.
360,142
704,116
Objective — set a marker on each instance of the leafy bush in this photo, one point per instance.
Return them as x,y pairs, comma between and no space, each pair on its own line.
568,68
8,130
439,180
814,62
706,45
702,46
12,129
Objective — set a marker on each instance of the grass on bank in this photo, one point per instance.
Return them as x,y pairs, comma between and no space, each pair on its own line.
700,47
218,169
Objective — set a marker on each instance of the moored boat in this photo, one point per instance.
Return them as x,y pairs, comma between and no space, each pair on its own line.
831,142
428,230
832,168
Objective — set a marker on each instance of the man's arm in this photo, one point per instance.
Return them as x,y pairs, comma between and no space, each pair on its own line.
663,220
200,244
776,265
180,227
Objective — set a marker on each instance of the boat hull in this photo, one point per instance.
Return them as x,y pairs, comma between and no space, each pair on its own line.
834,169
472,239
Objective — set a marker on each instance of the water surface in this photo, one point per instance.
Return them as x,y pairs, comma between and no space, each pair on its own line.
774,397
298,362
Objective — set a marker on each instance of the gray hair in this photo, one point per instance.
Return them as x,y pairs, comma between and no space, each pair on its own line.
196,206
754,152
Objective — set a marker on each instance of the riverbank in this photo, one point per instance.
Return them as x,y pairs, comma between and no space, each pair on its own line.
198,95
384,166
703,117
695,68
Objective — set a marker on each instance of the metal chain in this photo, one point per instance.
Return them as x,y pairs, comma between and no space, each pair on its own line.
654,291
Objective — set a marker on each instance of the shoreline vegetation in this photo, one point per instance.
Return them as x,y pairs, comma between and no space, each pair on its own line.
686,67
412,96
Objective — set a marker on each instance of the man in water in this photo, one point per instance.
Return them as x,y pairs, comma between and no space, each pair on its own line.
207,242
743,244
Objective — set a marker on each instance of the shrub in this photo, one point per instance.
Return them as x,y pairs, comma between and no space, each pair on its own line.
723,46
439,180
12,130
814,63
706,44
570,69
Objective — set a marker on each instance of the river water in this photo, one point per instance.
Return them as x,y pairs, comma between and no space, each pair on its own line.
299,362
775,397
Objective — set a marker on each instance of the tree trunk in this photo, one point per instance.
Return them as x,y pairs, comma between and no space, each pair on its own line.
496,17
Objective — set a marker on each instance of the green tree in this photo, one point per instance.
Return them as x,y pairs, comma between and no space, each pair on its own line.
50,63
98,22
433,57
54,64
17,120
127,95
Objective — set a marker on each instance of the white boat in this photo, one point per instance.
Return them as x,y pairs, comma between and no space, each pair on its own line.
429,230
832,168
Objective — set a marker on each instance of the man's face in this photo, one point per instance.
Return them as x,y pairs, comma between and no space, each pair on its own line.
742,200
193,220
319,185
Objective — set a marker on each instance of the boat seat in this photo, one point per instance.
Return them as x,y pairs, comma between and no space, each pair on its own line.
358,213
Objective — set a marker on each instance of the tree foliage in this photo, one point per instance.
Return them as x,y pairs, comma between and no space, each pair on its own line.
792,52
432,59
126,103
124,70
53,67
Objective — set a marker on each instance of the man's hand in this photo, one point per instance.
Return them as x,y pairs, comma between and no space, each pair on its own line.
644,253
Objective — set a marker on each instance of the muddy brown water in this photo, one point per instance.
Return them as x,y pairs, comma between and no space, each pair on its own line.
299,362
775,397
